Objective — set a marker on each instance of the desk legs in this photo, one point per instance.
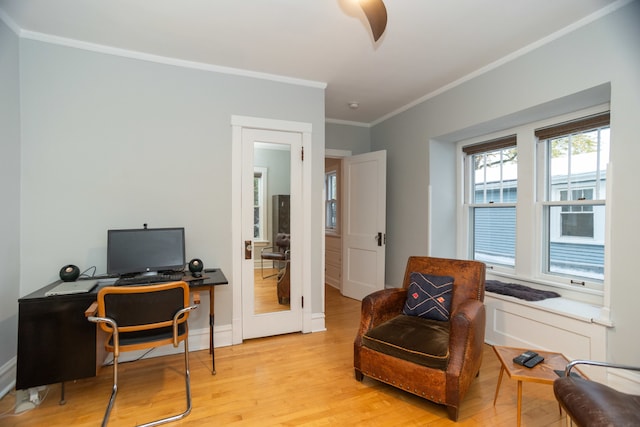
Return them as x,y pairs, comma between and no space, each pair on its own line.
211,321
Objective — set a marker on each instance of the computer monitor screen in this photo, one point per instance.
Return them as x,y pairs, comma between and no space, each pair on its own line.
145,250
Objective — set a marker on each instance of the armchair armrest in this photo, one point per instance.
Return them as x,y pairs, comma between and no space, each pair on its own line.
379,307
91,310
466,336
573,363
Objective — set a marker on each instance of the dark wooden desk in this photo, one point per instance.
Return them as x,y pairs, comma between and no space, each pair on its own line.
56,343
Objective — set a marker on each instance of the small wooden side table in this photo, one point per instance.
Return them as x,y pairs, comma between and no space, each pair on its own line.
541,373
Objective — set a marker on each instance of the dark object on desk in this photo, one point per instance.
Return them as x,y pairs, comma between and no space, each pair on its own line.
143,317
195,267
518,291
69,273
155,278
433,359
589,403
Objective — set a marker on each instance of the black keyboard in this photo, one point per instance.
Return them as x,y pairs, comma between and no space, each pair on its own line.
144,280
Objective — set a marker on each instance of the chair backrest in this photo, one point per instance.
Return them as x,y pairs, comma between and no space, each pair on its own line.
468,276
283,241
142,307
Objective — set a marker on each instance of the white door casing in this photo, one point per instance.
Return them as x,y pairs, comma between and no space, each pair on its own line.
364,221
273,323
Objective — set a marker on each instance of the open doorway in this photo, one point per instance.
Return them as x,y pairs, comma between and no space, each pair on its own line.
333,236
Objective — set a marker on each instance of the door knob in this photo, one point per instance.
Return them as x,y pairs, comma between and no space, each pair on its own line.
248,248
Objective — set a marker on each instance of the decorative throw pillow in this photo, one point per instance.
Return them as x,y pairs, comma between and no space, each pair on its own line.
429,296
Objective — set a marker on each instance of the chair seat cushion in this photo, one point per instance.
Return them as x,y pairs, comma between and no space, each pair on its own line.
594,404
412,338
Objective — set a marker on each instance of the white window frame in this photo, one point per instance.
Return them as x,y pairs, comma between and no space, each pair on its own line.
262,204
470,203
529,213
331,228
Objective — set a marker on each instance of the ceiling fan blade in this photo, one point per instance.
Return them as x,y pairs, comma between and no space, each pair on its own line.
376,14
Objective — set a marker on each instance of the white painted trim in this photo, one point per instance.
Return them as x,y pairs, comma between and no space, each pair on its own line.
238,123
511,57
555,324
126,53
8,376
10,22
347,122
336,154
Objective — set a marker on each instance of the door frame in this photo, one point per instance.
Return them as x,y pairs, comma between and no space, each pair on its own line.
237,246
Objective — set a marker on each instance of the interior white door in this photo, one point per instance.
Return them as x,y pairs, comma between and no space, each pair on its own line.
364,219
271,146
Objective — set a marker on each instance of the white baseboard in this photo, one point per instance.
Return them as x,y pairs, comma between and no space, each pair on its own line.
8,376
317,322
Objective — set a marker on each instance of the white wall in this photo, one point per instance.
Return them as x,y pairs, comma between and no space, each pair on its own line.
114,142
10,196
554,78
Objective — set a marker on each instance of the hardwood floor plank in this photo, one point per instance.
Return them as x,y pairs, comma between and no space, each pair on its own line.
289,380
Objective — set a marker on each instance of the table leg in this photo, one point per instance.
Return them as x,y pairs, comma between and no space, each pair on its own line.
519,402
498,385
211,321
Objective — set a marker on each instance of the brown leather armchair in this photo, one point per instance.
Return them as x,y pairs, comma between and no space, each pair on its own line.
436,360
589,403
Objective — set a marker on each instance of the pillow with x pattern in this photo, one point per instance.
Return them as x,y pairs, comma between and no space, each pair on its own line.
429,296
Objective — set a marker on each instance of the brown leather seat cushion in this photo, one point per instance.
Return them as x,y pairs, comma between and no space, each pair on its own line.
594,404
412,338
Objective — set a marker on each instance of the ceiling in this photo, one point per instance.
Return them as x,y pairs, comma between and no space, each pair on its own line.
428,45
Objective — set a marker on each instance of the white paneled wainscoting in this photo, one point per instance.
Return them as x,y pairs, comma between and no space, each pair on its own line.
559,325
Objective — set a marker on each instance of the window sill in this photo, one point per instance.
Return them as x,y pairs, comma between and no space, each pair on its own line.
562,306
577,303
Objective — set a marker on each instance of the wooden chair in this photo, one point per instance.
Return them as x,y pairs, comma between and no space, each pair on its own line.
141,317
434,359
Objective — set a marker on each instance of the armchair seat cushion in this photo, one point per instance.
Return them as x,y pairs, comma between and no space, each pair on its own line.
412,338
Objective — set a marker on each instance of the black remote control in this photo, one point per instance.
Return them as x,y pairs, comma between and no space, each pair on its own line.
527,355
533,361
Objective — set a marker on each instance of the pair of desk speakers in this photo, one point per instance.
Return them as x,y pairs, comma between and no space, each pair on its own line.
70,272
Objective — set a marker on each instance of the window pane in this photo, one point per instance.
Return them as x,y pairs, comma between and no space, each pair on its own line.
495,235
256,222
578,161
576,242
495,176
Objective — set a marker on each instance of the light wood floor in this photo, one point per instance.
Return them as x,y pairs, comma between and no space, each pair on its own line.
290,380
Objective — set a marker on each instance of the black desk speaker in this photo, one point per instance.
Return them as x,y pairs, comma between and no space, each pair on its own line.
195,267
69,273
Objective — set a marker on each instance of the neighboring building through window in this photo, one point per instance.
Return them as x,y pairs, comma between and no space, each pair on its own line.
492,172
576,155
533,204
